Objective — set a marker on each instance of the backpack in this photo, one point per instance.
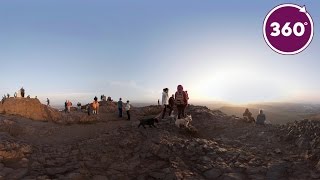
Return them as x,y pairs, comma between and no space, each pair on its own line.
180,98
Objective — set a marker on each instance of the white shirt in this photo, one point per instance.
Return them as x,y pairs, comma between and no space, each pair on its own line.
127,107
165,98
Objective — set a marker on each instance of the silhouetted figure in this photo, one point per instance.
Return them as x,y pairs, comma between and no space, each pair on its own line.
158,102
128,106
95,98
8,95
120,107
171,104
22,91
89,109
66,106
165,101
261,118
79,106
187,102
247,115
48,102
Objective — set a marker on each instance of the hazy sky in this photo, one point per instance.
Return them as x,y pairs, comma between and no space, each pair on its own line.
133,49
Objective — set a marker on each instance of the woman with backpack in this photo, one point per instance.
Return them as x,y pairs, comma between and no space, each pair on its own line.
181,101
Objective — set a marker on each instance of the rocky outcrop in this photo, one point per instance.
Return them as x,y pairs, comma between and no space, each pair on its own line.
29,108
305,135
12,149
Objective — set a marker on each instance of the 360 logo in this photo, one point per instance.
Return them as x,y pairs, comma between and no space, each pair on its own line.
288,29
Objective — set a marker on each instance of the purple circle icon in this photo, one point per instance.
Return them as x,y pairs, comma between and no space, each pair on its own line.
288,29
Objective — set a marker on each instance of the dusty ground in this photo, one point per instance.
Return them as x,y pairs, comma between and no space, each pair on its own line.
113,148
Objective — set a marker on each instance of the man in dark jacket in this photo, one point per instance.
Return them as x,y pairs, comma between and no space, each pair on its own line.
120,107
171,104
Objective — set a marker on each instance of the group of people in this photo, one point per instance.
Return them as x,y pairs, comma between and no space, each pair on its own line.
261,118
18,94
179,99
92,108
67,106
127,108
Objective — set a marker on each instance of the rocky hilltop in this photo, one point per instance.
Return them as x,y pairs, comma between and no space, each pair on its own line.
216,146
30,108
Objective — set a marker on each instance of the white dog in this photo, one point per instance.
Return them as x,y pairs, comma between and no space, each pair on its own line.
183,122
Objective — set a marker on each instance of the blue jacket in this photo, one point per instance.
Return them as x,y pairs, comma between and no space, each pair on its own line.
119,104
261,118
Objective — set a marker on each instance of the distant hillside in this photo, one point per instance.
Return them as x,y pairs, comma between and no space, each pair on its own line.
274,115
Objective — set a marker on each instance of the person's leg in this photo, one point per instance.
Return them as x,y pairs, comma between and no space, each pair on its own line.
179,111
184,110
120,112
128,113
170,110
164,111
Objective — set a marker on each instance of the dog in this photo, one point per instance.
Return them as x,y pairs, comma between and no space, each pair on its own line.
183,122
149,122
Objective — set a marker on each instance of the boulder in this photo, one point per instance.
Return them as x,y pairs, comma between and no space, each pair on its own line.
212,173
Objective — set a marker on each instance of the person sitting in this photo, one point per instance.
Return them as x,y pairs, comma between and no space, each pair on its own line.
261,118
247,116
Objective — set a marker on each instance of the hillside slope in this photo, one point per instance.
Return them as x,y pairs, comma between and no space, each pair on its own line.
111,148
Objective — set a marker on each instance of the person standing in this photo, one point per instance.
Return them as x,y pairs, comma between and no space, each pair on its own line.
69,104
171,104
22,91
66,106
48,102
95,106
89,109
120,107
128,109
165,101
79,106
181,101
158,102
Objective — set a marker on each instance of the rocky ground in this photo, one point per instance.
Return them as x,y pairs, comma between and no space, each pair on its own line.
106,147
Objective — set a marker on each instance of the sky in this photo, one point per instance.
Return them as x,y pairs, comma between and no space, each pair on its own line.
79,49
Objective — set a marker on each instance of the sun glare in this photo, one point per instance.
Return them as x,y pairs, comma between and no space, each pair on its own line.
234,85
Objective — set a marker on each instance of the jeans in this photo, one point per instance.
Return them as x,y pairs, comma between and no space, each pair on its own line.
170,109
181,109
128,114
164,111
120,112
